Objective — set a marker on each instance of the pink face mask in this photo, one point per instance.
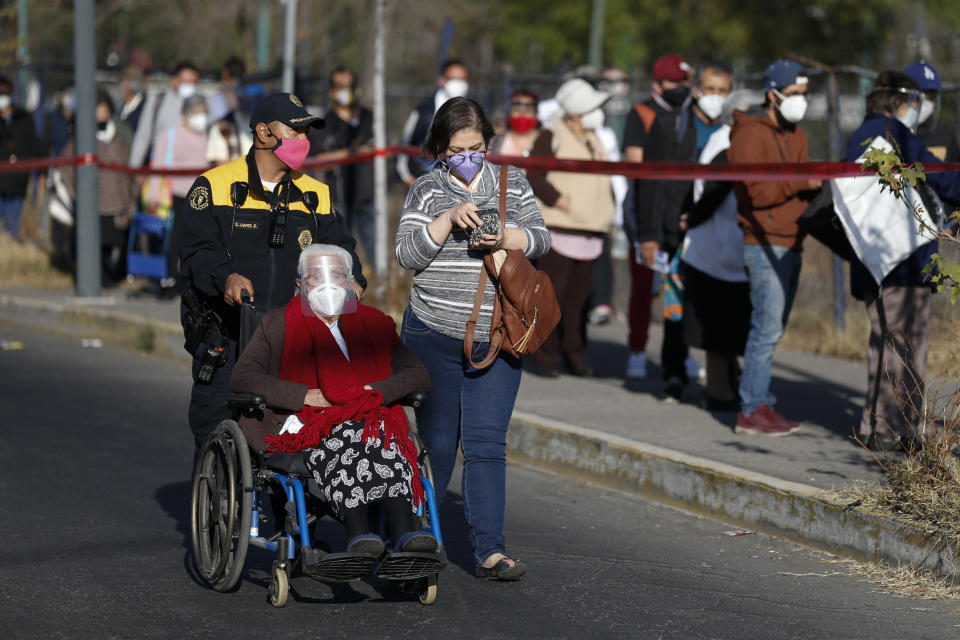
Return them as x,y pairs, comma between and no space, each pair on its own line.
292,152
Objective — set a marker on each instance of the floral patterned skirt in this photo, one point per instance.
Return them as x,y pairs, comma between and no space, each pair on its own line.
351,472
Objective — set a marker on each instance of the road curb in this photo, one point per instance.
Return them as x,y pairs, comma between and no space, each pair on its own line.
753,500
112,326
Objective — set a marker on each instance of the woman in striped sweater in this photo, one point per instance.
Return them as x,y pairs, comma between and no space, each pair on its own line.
467,407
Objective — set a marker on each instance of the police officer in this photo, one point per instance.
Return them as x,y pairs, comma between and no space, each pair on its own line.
245,226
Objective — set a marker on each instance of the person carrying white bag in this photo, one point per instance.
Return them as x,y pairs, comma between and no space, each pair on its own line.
893,239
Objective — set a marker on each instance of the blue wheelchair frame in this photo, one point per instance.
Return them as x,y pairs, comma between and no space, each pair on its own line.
295,494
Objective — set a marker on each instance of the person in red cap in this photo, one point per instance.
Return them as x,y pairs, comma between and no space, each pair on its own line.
671,87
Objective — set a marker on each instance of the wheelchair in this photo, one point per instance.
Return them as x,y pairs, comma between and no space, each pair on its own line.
230,480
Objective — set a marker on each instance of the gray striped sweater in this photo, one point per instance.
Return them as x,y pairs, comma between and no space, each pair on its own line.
445,282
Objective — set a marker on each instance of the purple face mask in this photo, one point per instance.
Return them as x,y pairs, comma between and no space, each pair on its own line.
466,163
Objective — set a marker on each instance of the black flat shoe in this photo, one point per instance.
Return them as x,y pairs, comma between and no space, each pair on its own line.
502,571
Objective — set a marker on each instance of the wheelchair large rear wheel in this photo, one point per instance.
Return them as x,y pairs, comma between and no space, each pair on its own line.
221,506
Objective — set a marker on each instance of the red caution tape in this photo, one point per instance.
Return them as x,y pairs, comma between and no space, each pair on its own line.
639,170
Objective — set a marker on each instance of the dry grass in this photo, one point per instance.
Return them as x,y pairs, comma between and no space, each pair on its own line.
903,580
25,265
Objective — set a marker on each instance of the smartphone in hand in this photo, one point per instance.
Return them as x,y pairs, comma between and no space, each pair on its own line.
489,224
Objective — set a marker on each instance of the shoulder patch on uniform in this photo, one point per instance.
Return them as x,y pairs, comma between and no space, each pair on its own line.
305,239
199,198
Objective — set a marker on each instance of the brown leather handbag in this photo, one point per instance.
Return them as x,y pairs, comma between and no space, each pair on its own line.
525,307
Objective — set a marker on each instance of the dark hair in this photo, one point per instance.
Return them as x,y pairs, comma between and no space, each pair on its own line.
453,62
715,66
525,93
185,64
886,97
338,71
104,98
456,114
5,82
235,68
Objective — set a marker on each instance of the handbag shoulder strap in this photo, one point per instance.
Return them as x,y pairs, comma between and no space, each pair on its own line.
496,332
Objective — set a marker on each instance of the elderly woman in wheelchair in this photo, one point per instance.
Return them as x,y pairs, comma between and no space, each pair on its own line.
330,371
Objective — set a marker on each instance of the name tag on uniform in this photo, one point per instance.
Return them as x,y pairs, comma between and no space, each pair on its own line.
246,225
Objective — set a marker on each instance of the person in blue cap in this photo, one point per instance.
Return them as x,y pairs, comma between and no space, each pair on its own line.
939,137
768,212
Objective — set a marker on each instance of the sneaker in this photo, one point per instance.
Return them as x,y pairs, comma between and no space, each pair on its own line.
768,411
600,314
637,365
762,424
672,390
694,370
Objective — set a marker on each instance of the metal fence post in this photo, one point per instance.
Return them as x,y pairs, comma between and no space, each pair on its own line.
87,215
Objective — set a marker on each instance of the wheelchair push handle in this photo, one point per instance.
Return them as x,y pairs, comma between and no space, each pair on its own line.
244,296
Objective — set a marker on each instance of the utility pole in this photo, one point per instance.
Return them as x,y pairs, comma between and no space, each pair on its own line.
595,57
380,142
23,53
835,145
289,45
87,218
263,36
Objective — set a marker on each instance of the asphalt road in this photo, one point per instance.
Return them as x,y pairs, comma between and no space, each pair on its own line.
94,486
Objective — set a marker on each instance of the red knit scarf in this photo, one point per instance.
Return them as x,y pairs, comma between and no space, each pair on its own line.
311,356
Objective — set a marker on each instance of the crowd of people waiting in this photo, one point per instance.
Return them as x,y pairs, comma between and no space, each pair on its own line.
703,246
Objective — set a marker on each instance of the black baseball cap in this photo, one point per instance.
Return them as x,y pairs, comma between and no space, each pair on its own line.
285,108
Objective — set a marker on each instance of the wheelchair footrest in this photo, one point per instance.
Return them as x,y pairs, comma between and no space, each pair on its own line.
336,567
410,565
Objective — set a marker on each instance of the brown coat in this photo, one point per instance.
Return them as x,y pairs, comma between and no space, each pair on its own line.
769,210
117,191
258,371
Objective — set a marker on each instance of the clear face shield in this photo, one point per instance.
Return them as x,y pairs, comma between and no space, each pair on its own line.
326,286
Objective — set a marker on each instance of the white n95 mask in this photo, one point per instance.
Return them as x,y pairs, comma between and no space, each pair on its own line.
712,105
327,300
792,108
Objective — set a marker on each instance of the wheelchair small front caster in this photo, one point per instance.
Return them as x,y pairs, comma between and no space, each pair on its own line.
428,589
279,587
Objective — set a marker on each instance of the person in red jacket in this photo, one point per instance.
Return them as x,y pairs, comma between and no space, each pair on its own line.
768,212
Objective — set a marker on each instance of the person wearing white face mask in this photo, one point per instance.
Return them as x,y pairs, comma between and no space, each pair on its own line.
178,147
938,136
161,111
348,130
116,196
453,82
330,370
899,303
768,212
677,135
578,209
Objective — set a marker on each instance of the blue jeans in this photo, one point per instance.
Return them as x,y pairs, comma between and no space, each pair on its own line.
773,273
10,209
471,409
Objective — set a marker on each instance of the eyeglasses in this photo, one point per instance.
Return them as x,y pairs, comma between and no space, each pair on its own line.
458,159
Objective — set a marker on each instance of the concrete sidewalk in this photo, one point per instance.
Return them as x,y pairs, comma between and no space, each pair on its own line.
619,433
